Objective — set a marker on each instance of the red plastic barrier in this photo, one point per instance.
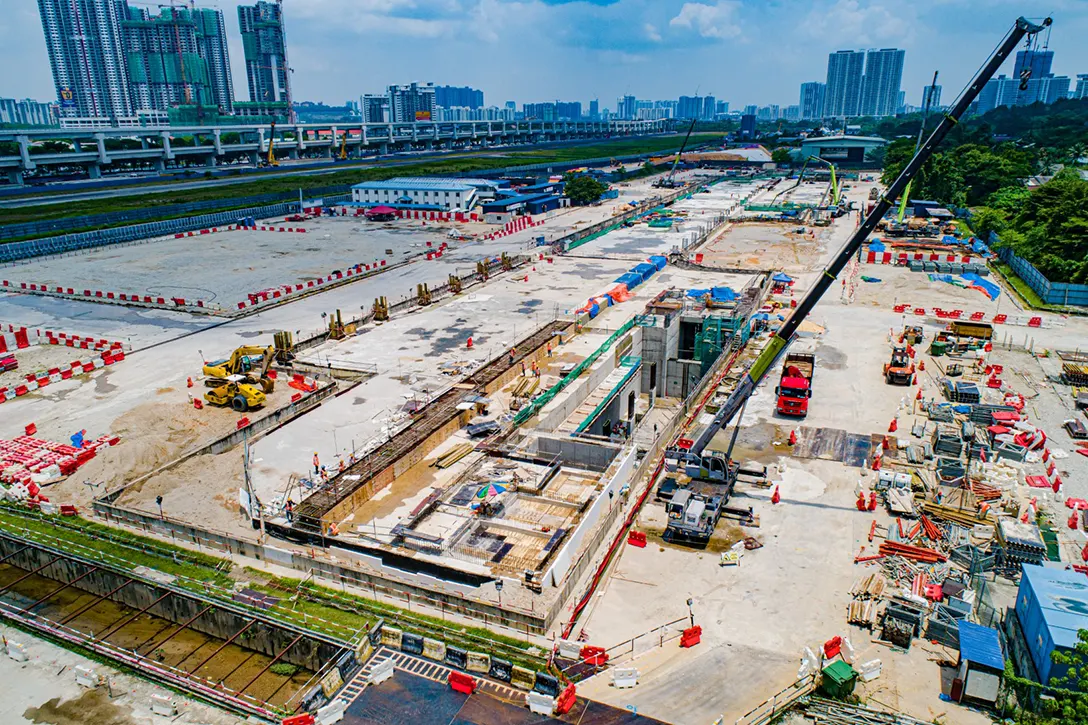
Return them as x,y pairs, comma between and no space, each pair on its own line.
566,699
242,422
593,655
460,682
637,539
691,636
304,719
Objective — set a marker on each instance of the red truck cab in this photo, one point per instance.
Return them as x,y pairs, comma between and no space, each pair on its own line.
795,387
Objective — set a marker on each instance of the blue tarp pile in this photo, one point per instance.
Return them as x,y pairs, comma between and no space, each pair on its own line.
949,239
718,294
969,281
630,279
644,270
658,261
986,287
979,247
780,277
877,247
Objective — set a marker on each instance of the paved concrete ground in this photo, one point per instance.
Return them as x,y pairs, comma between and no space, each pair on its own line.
44,690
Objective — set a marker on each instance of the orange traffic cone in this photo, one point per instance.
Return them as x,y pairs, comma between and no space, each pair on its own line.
861,501
1046,455
793,438
914,379
884,443
893,426
469,343
775,498
1024,518
1084,553
876,463
1057,485
198,404
922,365
918,396
189,382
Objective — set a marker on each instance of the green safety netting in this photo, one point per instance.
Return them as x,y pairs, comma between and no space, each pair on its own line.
531,409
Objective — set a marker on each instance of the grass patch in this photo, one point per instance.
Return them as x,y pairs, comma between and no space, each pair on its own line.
292,184
1026,293
361,613
91,540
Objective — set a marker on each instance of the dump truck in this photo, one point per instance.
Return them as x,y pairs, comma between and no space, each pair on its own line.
795,387
900,369
236,394
249,361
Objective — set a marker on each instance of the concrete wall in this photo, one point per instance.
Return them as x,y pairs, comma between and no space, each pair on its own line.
564,406
617,476
659,344
577,453
679,375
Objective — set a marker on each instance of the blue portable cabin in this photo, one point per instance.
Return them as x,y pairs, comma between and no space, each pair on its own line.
981,665
1051,606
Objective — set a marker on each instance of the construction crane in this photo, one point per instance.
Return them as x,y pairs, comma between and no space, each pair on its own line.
668,182
835,191
717,466
917,145
271,145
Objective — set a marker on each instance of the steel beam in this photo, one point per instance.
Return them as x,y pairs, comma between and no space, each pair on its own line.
60,589
97,600
169,637
126,620
49,563
274,660
223,646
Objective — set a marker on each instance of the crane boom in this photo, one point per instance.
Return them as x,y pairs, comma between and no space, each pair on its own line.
680,153
917,144
781,339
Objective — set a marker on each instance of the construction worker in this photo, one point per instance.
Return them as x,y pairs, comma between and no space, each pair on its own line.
341,465
522,365
549,349
289,510
513,355
317,464
536,370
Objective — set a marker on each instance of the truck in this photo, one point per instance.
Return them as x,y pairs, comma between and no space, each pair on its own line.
795,387
971,328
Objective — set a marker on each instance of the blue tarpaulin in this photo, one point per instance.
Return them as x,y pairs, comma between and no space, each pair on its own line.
723,294
949,239
990,289
697,293
630,279
658,261
877,247
980,645
644,270
780,277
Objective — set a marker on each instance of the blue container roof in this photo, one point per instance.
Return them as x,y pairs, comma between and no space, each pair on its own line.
1063,600
980,645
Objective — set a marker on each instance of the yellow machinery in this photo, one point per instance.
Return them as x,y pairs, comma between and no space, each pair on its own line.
285,347
338,330
423,294
481,270
381,309
271,146
236,394
455,284
344,146
507,263
250,363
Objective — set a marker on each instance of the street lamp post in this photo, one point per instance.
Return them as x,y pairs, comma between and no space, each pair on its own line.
498,588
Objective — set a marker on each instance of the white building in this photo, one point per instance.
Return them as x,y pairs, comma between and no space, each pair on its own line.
435,194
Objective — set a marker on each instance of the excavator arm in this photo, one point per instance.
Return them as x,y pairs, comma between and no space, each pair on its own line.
782,338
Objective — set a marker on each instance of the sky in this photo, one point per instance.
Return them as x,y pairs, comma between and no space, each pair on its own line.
741,51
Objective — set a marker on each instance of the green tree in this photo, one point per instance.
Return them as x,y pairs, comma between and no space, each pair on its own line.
1009,199
583,189
1074,708
986,219
781,155
1050,228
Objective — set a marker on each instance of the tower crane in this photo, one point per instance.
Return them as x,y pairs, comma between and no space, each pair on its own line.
716,466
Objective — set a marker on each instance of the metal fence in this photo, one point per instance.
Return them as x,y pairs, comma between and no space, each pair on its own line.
1051,293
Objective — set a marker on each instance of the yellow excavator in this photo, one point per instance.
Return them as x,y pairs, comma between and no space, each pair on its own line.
271,160
249,363
238,395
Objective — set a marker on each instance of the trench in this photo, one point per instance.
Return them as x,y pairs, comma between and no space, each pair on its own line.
231,655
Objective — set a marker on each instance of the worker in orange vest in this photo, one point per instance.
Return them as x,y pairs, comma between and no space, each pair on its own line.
317,464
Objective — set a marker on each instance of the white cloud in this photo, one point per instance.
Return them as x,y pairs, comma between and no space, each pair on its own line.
651,32
857,24
710,21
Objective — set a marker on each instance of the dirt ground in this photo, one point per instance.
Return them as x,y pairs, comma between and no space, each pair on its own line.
155,433
40,359
764,245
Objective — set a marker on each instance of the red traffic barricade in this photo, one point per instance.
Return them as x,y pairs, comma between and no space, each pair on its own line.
566,700
691,636
593,655
304,719
637,538
460,682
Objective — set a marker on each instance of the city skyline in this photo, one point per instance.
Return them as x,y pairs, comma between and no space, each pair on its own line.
707,26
